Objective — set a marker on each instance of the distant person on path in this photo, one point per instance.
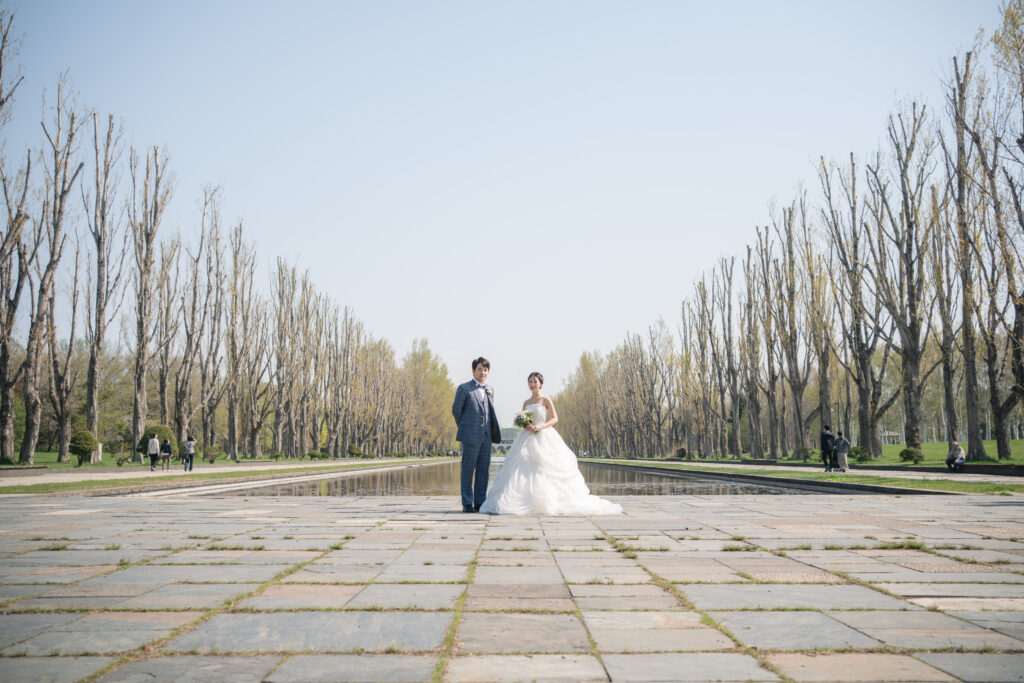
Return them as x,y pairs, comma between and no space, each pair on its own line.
827,444
955,459
153,451
189,456
841,447
165,455
473,410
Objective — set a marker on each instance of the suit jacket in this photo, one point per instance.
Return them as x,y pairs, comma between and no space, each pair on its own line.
475,419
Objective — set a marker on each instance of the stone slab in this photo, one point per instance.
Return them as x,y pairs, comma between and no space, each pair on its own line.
790,630
421,596
355,669
776,596
515,668
514,633
977,668
194,669
671,666
50,669
302,595
855,667
316,631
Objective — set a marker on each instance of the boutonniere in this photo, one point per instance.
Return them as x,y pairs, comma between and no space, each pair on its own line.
489,391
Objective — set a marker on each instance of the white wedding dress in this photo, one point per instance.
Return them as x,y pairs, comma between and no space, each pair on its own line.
541,477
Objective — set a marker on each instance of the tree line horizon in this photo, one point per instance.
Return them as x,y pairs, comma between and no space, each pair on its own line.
895,288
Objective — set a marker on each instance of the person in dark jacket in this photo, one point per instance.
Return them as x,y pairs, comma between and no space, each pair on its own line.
828,454
165,455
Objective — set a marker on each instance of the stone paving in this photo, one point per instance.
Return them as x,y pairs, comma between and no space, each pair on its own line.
679,588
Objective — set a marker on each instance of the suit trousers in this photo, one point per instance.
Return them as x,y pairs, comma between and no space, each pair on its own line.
476,463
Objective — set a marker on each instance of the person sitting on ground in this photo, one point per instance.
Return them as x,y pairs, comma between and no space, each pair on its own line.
841,448
955,459
165,455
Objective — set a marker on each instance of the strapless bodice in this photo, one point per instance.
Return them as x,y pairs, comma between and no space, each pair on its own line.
540,413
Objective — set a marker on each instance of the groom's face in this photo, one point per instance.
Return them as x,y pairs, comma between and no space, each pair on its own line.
480,373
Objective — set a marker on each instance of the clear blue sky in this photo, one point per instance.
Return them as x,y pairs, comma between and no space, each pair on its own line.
522,180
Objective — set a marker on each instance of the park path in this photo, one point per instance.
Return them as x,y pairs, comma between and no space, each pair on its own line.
754,588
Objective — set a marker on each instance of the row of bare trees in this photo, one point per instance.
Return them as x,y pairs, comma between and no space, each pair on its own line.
205,349
896,289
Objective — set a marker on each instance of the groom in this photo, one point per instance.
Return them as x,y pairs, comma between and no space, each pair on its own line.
473,410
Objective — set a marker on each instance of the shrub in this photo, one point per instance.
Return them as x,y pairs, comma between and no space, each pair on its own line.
354,450
82,444
681,452
803,453
122,458
316,455
162,432
859,454
211,454
276,455
911,455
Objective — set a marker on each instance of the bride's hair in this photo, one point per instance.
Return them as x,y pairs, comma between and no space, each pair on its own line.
537,375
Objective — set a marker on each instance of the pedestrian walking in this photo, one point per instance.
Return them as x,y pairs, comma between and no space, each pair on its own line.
165,455
189,456
827,445
841,448
153,451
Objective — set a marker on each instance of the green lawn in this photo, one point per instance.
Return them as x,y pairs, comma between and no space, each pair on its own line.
193,477
935,454
952,485
110,460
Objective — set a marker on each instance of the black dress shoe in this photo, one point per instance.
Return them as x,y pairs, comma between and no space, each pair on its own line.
467,509
476,508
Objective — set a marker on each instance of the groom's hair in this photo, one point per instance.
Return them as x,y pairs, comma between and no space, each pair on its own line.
481,361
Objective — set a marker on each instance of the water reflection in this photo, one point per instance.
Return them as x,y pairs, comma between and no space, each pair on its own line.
443,480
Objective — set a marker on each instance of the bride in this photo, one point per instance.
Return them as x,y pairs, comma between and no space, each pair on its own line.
540,475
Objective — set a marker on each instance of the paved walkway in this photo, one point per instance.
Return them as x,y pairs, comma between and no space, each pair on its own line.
144,474
766,588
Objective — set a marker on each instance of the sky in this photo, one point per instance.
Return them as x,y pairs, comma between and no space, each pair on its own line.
520,180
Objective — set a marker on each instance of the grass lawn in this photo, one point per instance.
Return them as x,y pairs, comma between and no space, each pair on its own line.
49,459
935,454
952,485
195,476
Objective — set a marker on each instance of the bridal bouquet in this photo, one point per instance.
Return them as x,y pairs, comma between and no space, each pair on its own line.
522,419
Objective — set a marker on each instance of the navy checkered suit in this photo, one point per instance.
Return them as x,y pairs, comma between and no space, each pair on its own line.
477,423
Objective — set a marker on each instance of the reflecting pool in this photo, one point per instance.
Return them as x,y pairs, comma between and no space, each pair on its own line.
443,480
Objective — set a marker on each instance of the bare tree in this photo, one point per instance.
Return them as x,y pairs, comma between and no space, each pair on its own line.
167,322
63,375
150,194
898,238
109,238
15,252
959,164
945,283
862,319
60,173
193,311
241,329
791,318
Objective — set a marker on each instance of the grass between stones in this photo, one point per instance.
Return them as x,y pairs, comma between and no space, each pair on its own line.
152,648
59,487
448,647
950,485
705,618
